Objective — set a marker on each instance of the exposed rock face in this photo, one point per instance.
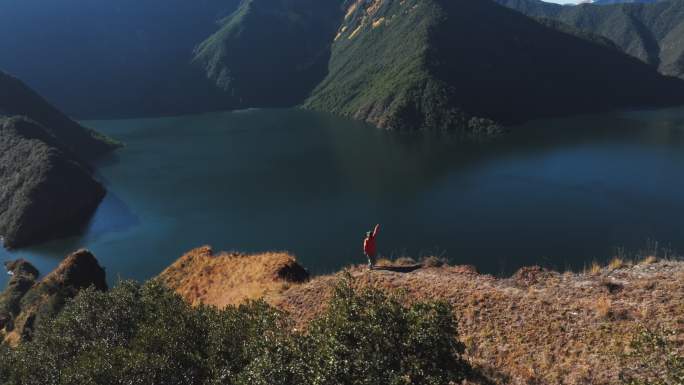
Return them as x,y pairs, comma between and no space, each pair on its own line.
46,187
44,191
24,276
79,270
26,301
231,278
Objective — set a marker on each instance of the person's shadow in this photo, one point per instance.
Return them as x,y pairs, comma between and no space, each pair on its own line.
398,269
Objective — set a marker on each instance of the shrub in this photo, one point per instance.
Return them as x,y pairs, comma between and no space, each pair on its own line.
146,334
405,261
433,261
657,361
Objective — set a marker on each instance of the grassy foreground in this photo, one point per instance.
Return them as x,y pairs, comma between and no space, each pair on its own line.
230,318
536,327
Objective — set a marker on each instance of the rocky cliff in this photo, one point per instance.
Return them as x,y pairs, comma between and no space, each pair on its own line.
27,301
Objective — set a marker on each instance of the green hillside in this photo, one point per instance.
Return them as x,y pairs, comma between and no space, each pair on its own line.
16,99
46,186
110,59
446,64
652,32
271,52
379,70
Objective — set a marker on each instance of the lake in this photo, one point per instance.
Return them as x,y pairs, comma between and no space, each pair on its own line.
560,193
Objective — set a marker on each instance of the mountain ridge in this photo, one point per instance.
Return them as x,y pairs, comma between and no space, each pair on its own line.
650,31
439,77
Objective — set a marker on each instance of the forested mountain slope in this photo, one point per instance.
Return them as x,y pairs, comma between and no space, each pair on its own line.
438,64
273,52
118,58
46,187
652,32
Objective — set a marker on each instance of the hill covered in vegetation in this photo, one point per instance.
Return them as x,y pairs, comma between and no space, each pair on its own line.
28,302
415,64
104,59
398,64
203,322
47,187
652,32
443,64
271,53
606,2
146,334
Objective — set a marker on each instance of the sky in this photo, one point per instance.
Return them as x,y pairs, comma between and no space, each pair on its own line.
563,1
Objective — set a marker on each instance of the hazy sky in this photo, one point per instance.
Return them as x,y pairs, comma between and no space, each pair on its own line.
563,1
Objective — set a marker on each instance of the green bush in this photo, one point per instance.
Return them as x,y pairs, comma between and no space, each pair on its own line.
657,360
145,334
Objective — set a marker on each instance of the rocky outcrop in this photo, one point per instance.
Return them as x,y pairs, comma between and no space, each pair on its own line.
225,279
44,190
46,186
24,276
26,302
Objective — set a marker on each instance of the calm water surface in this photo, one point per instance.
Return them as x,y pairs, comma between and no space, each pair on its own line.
560,193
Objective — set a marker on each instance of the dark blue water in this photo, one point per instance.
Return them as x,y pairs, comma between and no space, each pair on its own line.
560,193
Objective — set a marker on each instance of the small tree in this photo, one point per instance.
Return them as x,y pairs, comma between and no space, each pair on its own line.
146,334
367,337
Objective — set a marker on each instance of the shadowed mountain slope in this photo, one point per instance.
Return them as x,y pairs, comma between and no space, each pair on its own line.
46,186
652,32
102,59
271,52
439,64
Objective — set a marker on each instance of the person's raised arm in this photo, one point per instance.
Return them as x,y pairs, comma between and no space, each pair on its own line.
376,230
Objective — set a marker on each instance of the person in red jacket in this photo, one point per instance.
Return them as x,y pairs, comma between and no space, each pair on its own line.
369,247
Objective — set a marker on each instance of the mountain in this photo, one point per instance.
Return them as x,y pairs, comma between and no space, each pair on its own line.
47,184
102,59
16,99
606,2
449,63
271,53
407,64
653,32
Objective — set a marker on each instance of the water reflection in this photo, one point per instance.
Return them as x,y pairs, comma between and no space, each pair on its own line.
557,192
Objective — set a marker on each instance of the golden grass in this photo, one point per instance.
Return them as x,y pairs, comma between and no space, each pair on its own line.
603,307
594,269
649,260
383,262
537,327
540,328
617,263
227,279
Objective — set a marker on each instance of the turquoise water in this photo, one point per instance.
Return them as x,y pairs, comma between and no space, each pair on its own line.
560,193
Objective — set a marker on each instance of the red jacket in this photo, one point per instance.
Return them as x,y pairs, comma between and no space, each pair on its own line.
369,243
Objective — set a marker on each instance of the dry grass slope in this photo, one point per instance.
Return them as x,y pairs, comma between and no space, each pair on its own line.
536,327
231,278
